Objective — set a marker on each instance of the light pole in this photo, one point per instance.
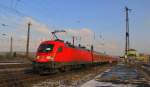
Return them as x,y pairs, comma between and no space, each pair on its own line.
11,39
101,38
11,43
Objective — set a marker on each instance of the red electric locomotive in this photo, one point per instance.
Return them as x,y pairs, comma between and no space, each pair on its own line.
57,55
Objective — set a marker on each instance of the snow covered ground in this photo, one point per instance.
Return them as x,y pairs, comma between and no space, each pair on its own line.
94,83
119,76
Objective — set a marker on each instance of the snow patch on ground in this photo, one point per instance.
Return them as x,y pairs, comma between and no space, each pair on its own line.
93,83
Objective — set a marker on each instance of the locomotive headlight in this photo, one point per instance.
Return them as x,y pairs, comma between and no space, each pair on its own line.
50,57
37,57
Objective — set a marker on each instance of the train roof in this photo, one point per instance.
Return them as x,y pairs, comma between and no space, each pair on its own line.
66,44
52,41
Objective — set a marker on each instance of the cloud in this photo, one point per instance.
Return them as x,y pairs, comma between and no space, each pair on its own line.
82,36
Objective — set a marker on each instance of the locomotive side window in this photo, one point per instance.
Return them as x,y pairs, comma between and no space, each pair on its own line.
60,49
45,47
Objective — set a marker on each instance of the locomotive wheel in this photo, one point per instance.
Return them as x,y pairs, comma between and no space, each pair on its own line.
62,69
65,68
48,71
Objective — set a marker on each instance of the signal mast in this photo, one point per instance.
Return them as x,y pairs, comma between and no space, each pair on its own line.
127,43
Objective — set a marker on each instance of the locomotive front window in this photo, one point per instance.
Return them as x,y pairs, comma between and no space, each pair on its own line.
45,47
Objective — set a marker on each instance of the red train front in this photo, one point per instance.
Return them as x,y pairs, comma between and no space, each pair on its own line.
58,51
57,54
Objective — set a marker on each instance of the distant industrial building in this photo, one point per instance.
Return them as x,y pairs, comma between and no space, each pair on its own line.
134,55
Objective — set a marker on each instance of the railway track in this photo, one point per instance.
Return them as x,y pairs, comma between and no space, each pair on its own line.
18,80
25,78
146,68
14,65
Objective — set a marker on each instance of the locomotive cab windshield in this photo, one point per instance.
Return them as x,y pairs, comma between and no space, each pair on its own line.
45,48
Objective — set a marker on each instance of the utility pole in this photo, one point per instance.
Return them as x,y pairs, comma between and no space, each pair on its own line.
73,37
11,45
92,49
28,39
127,43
